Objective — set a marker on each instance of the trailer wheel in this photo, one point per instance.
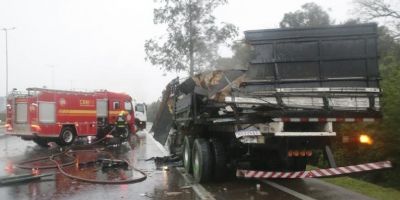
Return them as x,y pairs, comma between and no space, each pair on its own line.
41,142
187,153
67,136
219,160
201,160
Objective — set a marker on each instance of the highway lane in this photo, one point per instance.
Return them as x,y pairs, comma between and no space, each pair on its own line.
170,184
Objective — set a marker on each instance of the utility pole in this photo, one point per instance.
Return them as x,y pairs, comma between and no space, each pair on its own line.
6,32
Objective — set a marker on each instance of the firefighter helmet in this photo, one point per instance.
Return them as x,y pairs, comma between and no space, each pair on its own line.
123,113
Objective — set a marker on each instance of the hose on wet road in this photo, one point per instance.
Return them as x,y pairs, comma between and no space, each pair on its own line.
123,181
23,164
67,152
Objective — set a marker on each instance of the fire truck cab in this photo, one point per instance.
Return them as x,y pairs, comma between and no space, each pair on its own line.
45,115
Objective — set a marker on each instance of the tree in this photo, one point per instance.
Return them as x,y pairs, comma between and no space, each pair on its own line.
380,9
152,110
311,14
240,59
193,36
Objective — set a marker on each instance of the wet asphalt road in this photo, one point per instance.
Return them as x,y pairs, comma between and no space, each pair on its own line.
160,184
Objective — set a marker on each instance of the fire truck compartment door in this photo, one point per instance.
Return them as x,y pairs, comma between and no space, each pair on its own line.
21,113
101,108
47,112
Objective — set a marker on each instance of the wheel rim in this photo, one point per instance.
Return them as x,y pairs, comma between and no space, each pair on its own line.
68,136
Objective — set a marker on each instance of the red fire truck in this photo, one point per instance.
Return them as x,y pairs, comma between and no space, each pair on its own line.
45,115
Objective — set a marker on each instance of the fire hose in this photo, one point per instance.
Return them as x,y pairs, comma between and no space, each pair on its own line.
67,152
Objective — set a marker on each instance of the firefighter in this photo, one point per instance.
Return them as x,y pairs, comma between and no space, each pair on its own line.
121,120
122,125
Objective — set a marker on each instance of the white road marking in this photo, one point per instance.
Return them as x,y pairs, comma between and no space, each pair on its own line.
201,192
162,149
287,190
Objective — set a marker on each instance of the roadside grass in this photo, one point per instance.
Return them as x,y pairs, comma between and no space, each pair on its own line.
363,187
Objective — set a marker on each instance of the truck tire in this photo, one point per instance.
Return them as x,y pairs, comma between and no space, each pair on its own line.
219,160
41,142
201,161
67,136
187,154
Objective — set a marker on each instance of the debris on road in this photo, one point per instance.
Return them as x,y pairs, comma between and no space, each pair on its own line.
162,163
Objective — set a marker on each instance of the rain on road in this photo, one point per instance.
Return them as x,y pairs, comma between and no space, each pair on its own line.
160,183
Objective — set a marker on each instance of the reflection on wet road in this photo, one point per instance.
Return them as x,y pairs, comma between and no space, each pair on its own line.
160,184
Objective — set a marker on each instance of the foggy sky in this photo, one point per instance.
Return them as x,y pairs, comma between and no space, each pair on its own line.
98,44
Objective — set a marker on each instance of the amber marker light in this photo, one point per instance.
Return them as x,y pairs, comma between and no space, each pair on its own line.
365,139
36,127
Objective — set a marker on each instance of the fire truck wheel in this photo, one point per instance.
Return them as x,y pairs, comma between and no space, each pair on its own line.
67,136
41,142
201,160
187,153
219,160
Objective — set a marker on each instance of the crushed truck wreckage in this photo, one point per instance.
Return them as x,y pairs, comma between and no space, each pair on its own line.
273,116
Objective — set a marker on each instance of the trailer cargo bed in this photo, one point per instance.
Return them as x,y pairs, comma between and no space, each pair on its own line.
335,56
